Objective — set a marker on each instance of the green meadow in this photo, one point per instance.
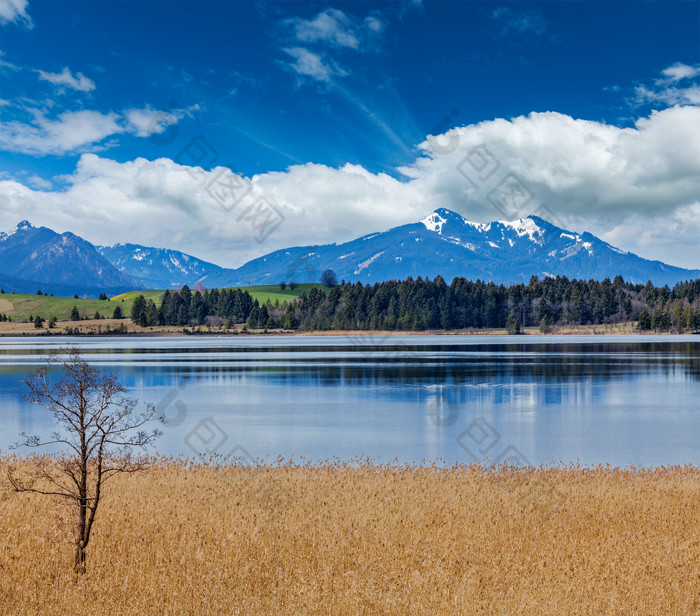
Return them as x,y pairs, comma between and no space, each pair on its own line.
20,306
261,293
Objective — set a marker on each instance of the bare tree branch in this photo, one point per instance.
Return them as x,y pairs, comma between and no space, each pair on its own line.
100,428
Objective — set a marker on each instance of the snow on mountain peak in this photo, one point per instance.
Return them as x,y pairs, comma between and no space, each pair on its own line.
523,226
25,225
434,222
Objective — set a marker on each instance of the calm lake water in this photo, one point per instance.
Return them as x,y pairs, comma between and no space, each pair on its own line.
593,399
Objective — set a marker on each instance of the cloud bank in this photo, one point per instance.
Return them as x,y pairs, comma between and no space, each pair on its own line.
636,187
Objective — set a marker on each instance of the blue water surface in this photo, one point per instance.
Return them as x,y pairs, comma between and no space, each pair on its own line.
622,400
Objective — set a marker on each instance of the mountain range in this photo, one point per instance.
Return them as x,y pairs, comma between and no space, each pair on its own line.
443,243
37,258
159,268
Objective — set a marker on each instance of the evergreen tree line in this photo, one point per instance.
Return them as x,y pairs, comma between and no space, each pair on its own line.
210,307
75,314
423,304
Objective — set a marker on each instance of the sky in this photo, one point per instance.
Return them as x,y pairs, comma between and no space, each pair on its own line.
228,130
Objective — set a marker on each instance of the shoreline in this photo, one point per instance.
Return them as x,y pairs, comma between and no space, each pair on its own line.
371,335
88,328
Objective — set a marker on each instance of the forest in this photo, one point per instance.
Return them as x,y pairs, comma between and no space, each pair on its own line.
423,304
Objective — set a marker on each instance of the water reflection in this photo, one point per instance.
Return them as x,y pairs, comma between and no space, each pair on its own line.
618,400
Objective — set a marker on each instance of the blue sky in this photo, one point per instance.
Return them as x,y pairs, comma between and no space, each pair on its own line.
309,99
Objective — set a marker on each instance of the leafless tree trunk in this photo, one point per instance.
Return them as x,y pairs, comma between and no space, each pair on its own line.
100,428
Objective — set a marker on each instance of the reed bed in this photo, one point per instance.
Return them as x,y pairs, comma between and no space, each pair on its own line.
360,538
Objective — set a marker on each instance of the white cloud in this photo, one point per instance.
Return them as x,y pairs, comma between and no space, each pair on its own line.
309,64
70,131
637,187
679,71
39,182
149,121
74,131
14,11
668,91
66,79
335,28
670,237
579,168
669,95
161,203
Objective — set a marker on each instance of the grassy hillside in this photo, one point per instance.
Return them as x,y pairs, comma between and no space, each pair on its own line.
132,295
273,292
20,307
261,293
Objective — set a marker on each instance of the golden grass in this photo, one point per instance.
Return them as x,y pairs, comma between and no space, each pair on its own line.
88,326
336,539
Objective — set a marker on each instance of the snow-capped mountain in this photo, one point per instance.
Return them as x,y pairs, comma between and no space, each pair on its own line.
34,258
447,244
443,243
158,268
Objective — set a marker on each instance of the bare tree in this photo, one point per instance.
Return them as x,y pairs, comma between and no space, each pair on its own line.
99,429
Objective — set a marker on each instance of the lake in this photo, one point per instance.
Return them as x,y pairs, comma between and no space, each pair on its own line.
620,400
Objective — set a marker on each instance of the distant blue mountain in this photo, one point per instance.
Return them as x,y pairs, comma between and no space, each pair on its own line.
34,258
447,244
158,268
444,243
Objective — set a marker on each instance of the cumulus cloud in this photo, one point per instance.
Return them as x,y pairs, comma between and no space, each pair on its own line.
14,11
74,131
163,203
636,187
578,165
614,182
66,79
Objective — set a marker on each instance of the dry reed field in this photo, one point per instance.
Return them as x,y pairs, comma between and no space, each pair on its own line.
362,539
